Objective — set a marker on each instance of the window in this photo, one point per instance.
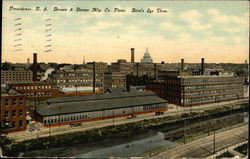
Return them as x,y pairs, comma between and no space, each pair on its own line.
6,102
21,101
6,114
20,123
20,112
13,125
14,101
14,113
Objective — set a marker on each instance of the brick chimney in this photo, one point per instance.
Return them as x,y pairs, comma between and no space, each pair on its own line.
94,77
182,65
132,54
202,66
34,67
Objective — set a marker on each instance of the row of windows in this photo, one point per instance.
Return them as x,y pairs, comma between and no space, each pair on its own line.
16,79
13,113
118,80
40,94
77,74
213,92
13,101
218,80
33,87
211,86
65,119
78,80
209,99
78,85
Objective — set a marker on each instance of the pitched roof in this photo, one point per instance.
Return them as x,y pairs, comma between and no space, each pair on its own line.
99,97
95,105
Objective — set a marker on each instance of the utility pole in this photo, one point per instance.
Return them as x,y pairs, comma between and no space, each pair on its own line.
59,109
113,118
209,125
49,126
214,141
150,143
185,131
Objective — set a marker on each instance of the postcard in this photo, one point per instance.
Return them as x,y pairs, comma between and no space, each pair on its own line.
106,78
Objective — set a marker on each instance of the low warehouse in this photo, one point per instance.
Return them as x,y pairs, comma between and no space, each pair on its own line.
68,110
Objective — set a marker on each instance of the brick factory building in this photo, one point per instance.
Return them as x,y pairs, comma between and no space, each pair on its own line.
77,78
194,88
13,110
16,76
36,90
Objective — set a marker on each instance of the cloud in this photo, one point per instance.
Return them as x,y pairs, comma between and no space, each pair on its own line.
219,17
170,26
101,26
197,26
184,37
191,15
232,30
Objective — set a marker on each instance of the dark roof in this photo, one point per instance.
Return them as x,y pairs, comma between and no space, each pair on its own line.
94,105
99,97
114,90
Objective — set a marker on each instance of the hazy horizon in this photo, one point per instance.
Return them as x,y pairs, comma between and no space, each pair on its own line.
216,31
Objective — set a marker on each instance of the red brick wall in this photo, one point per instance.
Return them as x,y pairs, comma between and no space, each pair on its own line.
14,107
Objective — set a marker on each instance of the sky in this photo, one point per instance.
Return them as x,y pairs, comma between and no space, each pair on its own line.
215,30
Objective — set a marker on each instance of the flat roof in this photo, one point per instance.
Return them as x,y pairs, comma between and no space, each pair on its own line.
95,105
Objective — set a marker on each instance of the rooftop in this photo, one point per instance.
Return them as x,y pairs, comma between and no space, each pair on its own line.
95,105
99,97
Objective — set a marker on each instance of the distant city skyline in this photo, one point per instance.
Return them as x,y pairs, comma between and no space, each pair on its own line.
215,30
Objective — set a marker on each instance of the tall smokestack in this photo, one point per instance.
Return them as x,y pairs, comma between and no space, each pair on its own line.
137,69
155,70
94,77
34,68
28,61
202,66
132,54
182,64
128,83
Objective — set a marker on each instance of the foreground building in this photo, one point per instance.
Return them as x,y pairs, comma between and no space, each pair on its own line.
77,109
13,110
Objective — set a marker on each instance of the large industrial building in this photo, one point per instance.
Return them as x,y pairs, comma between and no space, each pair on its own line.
16,76
77,109
195,88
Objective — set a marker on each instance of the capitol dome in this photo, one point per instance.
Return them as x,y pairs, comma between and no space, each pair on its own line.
146,58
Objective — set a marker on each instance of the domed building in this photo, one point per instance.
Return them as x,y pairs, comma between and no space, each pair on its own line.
146,58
